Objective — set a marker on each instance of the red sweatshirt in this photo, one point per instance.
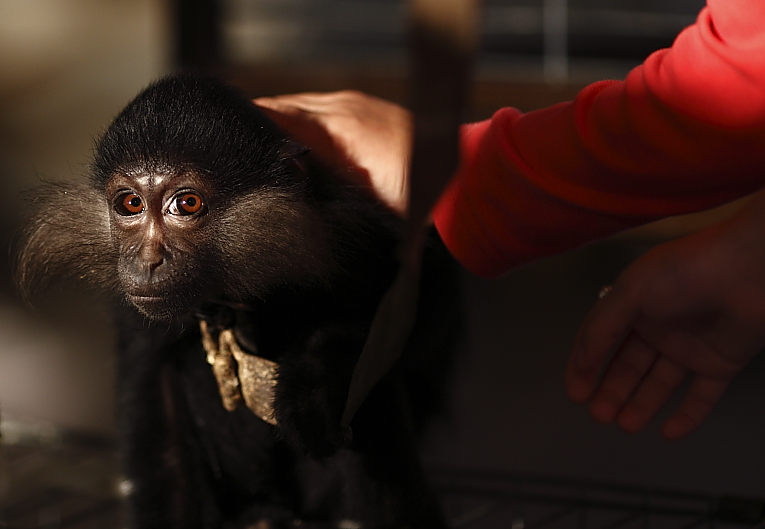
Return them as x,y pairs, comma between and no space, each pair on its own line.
683,132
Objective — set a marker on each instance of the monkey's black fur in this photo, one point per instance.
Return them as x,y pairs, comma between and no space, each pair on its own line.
196,207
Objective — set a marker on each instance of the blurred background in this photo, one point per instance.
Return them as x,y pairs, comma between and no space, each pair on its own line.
68,66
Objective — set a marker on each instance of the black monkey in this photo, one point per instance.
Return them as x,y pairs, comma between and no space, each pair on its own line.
224,244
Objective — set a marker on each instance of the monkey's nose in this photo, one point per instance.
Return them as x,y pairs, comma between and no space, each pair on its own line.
152,258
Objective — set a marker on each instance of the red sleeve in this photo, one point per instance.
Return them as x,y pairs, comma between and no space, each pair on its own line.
683,132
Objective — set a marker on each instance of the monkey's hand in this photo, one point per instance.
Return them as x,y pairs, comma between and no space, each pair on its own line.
311,390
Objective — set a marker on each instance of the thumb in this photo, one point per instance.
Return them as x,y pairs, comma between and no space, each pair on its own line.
604,329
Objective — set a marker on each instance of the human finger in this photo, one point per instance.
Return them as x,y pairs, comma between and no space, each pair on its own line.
309,129
624,374
289,118
304,113
603,330
702,395
306,101
343,102
658,386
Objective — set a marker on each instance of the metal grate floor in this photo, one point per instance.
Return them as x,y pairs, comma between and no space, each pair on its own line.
49,480
483,500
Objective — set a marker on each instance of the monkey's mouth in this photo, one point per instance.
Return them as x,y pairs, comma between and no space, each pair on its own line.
140,299
158,307
145,300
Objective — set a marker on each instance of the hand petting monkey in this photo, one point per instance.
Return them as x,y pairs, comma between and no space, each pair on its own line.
352,129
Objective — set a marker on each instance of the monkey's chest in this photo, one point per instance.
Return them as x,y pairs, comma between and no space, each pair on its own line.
247,461
237,447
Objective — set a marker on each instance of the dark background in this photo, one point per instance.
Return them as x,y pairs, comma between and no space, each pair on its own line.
69,65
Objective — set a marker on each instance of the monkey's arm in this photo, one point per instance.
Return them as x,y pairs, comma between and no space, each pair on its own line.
312,387
385,484
164,482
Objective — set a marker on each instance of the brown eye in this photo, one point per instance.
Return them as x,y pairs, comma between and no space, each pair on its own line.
129,204
186,204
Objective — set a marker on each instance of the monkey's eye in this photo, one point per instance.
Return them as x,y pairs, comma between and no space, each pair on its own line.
186,204
129,204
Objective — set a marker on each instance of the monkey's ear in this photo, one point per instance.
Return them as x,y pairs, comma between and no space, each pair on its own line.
295,153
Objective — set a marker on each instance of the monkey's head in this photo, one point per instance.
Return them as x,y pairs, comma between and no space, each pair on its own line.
193,196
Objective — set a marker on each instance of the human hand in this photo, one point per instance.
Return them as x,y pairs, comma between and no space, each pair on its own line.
691,307
368,137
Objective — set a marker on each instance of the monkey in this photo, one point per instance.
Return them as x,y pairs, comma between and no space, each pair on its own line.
235,260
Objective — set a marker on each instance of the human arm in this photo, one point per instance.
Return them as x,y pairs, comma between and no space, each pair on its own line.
682,133
693,307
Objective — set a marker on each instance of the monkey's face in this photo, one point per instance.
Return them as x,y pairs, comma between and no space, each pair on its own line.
158,222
